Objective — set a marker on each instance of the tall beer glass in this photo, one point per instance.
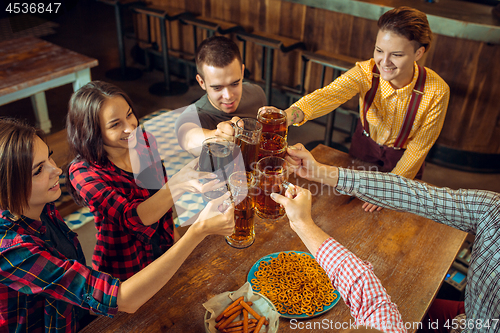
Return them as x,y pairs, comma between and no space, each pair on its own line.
272,177
243,191
273,121
217,157
272,144
247,137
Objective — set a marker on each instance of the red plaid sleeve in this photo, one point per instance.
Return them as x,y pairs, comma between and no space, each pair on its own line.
109,195
360,288
28,266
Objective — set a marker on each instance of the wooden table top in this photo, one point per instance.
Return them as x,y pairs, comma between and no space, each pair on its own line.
410,255
28,61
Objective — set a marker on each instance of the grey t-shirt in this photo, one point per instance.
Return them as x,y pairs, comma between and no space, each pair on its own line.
205,115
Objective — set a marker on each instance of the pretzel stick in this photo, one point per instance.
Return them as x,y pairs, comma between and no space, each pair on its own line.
252,312
229,307
235,309
240,323
245,321
239,329
229,320
260,323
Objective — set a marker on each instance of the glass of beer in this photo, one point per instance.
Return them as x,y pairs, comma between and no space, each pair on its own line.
217,157
247,137
273,121
272,144
272,177
243,189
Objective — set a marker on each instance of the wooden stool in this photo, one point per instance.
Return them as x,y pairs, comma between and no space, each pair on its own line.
339,63
122,73
163,14
269,43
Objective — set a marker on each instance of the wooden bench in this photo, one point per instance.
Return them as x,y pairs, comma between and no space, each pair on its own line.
29,66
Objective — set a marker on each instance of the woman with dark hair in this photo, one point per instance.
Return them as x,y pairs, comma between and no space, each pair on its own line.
44,283
119,174
402,105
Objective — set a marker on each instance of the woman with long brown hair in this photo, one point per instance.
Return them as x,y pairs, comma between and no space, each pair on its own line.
44,283
118,173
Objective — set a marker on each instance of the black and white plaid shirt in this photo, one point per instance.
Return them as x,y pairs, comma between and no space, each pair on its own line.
473,211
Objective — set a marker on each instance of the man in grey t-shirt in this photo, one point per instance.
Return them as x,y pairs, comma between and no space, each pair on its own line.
228,98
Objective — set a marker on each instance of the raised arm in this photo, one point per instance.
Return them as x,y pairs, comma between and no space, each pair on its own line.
362,291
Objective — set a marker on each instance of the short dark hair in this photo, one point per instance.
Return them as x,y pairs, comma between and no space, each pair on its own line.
17,141
83,126
408,22
216,51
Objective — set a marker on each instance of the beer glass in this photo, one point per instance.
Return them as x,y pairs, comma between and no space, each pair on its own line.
247,137
272,177
217,157
272,144
273,121
243,191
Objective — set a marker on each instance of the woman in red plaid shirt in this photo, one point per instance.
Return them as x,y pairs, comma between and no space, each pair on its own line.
119,174
44,283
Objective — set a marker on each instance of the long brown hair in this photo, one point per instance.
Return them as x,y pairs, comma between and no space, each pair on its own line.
17,140
83,126
408,22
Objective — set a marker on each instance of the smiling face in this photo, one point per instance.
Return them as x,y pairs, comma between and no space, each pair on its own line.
394,56
45,179
118,125
223,85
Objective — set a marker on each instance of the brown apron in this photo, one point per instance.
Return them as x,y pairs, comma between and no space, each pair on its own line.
366,149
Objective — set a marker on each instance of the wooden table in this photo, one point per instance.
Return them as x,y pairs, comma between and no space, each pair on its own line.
29,66
410,255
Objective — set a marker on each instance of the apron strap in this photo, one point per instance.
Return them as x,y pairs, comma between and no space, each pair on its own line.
369,97
416,97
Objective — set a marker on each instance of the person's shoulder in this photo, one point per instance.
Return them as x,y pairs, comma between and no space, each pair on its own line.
252,89
366,66
433,78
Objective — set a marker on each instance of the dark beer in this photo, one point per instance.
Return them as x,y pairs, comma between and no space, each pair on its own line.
216,156
273,121
243,190
249,152
272,144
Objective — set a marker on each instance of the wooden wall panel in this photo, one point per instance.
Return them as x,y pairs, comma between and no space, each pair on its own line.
473,118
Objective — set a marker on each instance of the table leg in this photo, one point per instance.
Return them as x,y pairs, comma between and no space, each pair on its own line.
81,78
41,112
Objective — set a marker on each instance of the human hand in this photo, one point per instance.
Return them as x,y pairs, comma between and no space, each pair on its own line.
297,203
217,218
368,207
302,163
226,130
188,179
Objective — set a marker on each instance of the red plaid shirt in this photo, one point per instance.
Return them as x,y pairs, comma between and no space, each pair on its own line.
124,244
361,290
40,289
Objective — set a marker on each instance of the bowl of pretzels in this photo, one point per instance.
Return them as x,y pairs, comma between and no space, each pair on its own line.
240,311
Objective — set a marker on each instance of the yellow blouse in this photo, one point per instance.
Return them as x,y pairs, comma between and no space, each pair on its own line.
386,114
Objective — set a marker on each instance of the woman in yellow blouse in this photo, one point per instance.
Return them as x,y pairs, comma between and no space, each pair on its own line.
400,118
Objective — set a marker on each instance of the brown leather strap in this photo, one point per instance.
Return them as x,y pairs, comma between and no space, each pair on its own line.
416,98
369,97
